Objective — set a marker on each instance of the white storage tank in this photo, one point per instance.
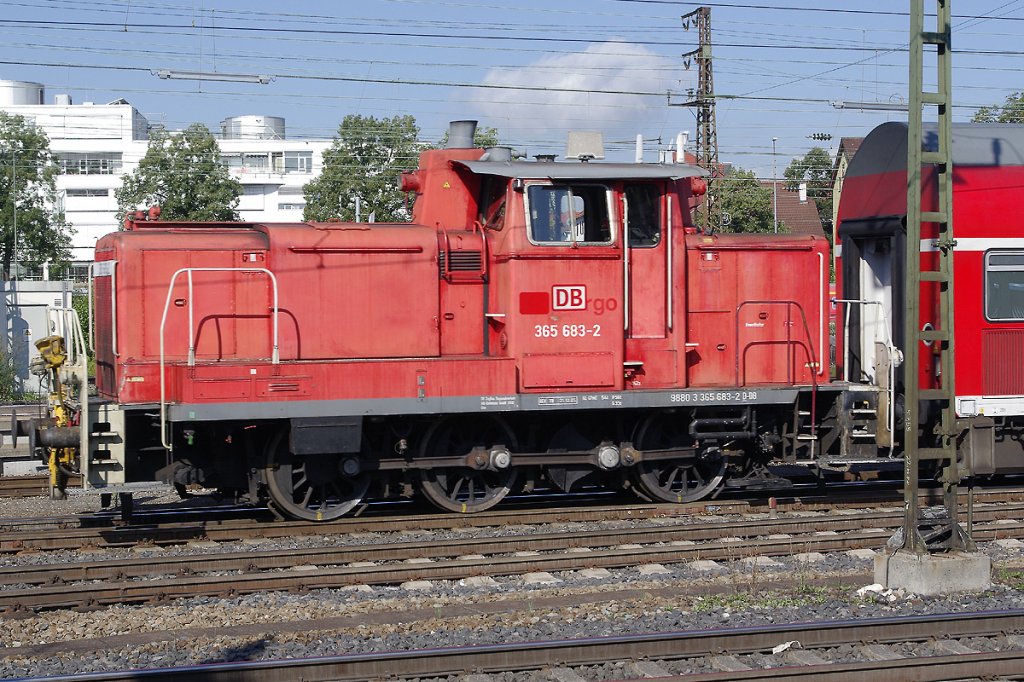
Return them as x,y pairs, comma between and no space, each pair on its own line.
252,128
18,93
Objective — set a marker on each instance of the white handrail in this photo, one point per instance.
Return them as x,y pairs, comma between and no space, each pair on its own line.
625,263
275,357
821,314
88,296
669,237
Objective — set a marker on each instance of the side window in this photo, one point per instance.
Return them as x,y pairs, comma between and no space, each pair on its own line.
1004,285
569,214
492,203
644,213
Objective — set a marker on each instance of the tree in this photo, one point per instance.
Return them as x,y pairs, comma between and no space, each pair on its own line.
746,201
364,161
815,168
28,198
1011,111
183,174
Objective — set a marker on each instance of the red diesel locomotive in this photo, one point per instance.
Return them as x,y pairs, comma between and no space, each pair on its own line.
537,323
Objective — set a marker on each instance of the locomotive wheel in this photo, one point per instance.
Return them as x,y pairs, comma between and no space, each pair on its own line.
311,488
462,489
675,480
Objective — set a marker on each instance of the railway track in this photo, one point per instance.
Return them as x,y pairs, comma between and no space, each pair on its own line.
164,528
156,579
891,648
29,486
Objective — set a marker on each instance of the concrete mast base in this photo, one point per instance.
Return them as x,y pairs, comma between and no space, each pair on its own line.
934,574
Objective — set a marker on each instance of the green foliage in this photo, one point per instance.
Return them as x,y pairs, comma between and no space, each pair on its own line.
1011,111
815,168
28,193
10,390
182,173
80,302
747,203
365,160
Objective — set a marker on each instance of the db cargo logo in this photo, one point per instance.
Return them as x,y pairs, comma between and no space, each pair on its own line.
559,298
569,298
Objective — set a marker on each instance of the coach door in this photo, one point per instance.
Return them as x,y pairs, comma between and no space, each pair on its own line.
873,272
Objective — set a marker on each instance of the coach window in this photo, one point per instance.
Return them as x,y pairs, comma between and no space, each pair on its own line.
1004,285
569,214
644,213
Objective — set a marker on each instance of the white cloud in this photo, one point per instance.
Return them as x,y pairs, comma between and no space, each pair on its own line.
577,93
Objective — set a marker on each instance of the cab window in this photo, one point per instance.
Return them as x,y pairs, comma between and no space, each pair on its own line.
644,213
492,203
568,214
1004,285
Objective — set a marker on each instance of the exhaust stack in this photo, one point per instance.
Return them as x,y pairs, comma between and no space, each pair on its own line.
460,134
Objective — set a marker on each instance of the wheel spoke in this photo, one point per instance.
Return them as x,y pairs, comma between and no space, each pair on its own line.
457,488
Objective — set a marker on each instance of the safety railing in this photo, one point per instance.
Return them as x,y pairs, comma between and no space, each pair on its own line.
275,357
789,341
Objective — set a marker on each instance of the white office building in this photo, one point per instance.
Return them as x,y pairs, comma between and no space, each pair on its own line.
96,144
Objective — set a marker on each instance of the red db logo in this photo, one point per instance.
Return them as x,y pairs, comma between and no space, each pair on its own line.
569,298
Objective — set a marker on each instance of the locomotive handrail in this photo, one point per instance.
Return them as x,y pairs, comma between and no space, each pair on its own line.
894,356
625,264
88,299
275,357
668,276
447,252
789,341
810,352
485,254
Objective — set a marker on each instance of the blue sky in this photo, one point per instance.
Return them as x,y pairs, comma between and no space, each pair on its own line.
546,67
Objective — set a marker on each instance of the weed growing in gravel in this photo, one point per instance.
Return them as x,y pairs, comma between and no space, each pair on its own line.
802,596
1011,577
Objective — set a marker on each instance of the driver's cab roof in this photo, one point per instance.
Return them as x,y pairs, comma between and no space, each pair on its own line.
551,170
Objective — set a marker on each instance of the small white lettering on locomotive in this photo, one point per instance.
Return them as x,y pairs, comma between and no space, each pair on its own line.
498,402
554,401
569,297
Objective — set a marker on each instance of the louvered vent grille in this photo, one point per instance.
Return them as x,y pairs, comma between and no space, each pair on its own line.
103,314
461,261
1002,362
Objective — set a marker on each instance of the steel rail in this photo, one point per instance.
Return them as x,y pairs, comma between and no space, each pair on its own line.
188,564
153,527
539,655
124,583
30,486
